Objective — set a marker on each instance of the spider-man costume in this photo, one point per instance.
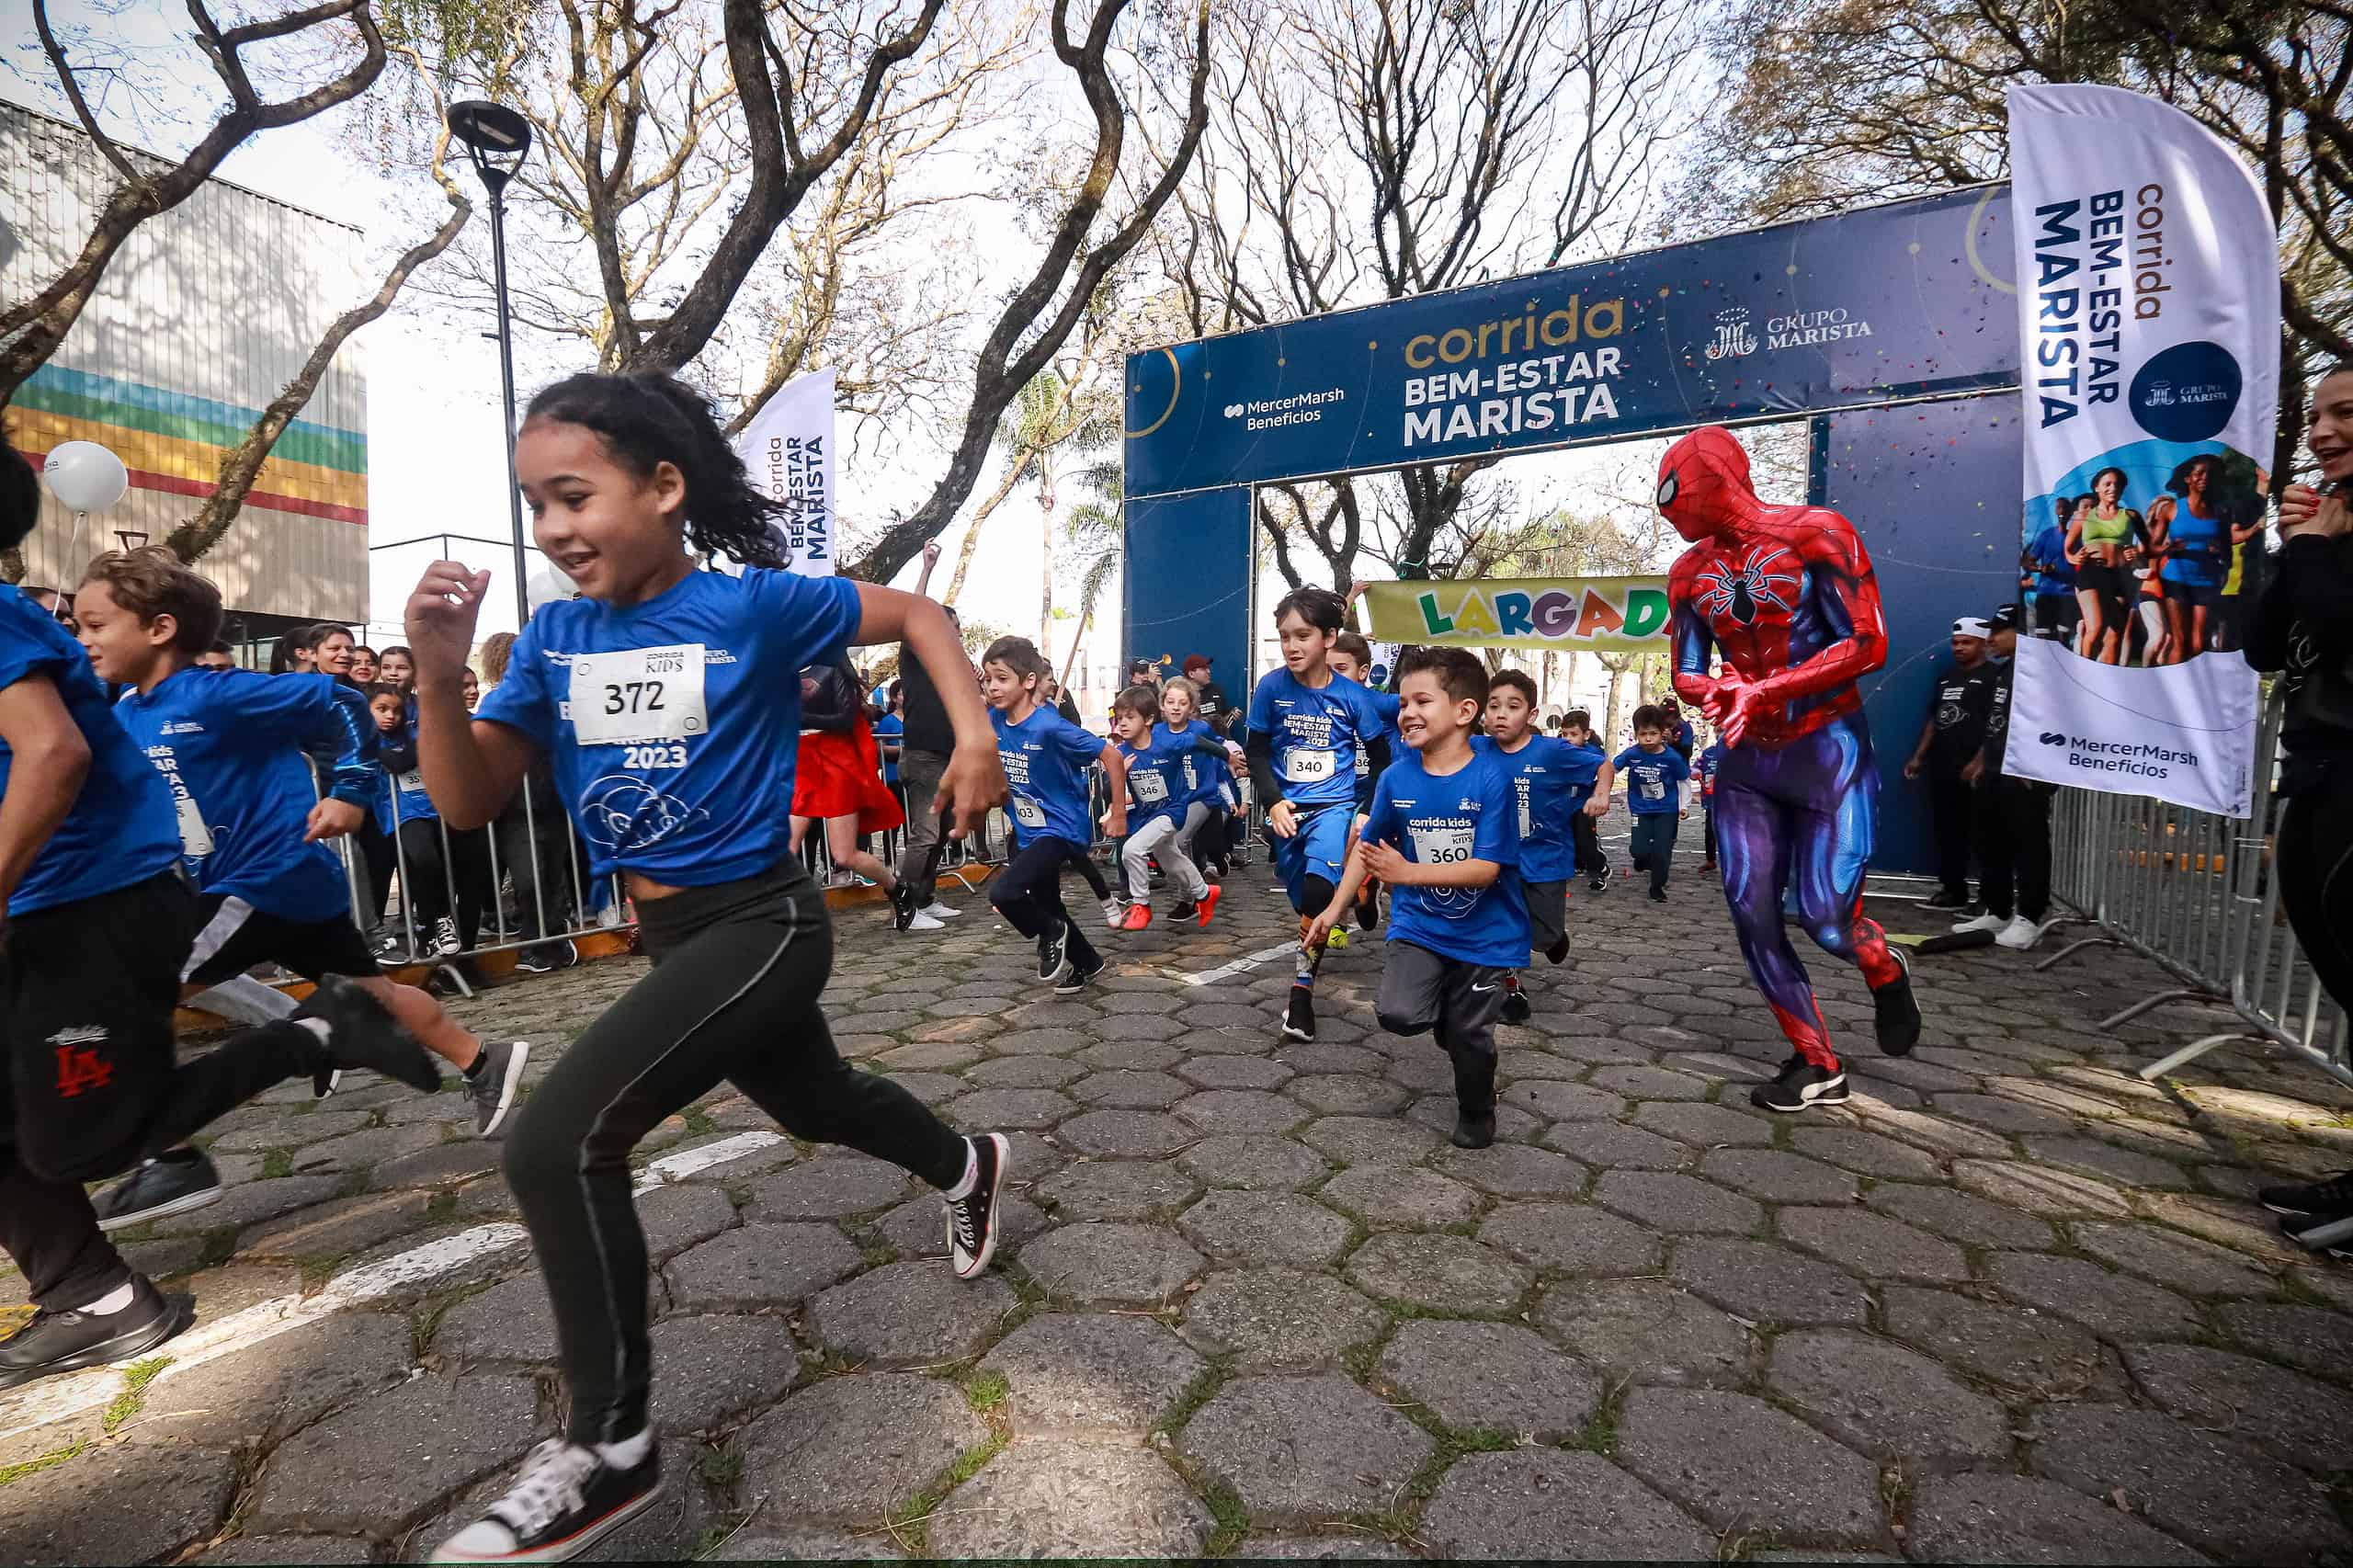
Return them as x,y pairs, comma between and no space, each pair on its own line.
1785,594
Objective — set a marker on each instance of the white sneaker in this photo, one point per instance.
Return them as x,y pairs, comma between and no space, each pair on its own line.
1987,922
1114,911
939,911
924,922
2019,934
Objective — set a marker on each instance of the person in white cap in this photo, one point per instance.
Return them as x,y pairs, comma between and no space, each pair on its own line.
1952,733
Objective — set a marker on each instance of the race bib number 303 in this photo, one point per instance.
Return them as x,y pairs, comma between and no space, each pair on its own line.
638,694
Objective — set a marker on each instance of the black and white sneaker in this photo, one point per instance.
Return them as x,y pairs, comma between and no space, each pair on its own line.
70,1341
566,1500
445,936
1895,1014
1945,898
1800,1086
390,951
360,1033
1080,970
546,957
494,1089
2318,1199
170,1183
1053,955
1299,1018
903,903
972,1218
1598,884
1516,1008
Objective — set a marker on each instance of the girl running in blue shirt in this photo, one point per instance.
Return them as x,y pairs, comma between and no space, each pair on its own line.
668,701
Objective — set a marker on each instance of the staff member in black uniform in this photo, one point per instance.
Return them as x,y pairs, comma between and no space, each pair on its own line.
1952,734
2013,815
2303,629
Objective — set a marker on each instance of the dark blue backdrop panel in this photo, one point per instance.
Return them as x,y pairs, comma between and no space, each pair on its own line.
1934,488
1188,582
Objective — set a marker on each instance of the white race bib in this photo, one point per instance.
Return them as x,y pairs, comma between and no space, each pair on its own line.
1151,787
1526,829
1029,812
638,694
196,839
1309,767
1655,787
1442,846
411,783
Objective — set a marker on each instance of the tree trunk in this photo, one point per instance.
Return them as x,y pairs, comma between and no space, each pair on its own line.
1609,713
1045,556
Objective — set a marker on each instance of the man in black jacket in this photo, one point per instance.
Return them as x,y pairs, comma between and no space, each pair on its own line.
2013,815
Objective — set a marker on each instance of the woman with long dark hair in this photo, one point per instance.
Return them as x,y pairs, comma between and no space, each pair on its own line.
2101,538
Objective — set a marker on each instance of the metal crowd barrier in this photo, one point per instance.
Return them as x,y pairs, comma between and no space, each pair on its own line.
2194,893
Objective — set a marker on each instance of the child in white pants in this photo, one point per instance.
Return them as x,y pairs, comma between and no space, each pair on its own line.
1166,815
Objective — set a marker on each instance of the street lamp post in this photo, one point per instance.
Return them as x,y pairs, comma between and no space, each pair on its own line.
497,139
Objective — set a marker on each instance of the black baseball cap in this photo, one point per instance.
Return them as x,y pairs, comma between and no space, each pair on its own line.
2012,616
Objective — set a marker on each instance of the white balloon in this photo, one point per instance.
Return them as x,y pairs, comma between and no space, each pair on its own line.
547,586
84,475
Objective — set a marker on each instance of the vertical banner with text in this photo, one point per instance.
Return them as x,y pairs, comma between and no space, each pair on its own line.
789,450
2149,314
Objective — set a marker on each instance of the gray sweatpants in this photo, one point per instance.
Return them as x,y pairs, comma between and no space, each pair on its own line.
1172,841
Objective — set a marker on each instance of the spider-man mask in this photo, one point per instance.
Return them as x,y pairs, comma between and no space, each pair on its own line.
1703,484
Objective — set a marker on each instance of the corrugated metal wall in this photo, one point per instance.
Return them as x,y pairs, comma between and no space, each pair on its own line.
205,314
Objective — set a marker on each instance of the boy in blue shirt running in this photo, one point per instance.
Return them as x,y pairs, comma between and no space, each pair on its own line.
1444,833
1305,721
1045,757
1654,775
1594,764
1163,785
1553,785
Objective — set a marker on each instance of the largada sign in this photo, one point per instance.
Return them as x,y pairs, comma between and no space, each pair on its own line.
1895,301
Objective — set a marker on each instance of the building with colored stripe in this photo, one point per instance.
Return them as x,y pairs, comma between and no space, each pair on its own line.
206,313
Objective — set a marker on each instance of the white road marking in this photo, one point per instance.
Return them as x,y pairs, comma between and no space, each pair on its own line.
39,1404
1247,961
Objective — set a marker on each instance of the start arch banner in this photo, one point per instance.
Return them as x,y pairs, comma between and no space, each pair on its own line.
1583,615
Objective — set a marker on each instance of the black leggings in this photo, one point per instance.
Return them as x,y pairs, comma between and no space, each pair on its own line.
738,971
427,877
2314,861
1029,892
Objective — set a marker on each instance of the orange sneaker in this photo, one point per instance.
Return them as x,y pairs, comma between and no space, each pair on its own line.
1137,917
1208,902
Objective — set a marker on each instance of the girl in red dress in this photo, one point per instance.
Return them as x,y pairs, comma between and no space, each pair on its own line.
839,781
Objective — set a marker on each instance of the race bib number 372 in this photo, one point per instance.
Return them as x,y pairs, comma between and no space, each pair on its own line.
637,695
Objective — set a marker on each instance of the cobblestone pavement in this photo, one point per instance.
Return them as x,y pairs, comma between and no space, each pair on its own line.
2010,1305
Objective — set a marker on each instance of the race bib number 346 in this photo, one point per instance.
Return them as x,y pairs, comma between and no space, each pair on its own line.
637,695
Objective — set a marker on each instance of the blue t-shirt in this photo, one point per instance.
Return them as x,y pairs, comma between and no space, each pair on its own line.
890,727
1313,732
2048,552
1045,758
120,830
400,789
228,744
1583,765
1206,772
1650,780
1470,814
673,725
1550,780
1158,782
1704,770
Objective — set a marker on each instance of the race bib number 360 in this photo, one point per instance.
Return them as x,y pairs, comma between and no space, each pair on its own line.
1442,846
638,694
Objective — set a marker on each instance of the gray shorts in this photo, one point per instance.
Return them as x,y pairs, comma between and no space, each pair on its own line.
1422,991
1548,912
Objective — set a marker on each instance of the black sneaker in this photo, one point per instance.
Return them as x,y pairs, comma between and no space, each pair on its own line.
546,957
567,1499
1299,1018
170,1183
1658,895
68,1341
1076,974
1053,955
1598,884
1188,910
1369,910
903,903
1558,952
360,1033
1945,898
1516,1008
1473,1131
1895,1014
494,1086
2303,1229
972,1218
390,951
1800,1086
2312,1199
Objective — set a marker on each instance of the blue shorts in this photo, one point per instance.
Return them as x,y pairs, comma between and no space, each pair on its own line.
1320,848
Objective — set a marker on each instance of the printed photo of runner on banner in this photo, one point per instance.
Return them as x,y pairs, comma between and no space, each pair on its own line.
2149,318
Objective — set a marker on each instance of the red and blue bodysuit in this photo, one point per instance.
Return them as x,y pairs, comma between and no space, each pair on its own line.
1786,597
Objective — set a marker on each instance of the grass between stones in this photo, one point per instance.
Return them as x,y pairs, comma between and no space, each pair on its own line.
275,1162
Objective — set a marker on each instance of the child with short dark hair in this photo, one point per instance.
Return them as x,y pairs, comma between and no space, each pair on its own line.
1159,787
1584,827
1654,775
1553,785
1045,757
1444,833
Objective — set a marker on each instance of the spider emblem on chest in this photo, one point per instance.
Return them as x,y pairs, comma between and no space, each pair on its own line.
1740,593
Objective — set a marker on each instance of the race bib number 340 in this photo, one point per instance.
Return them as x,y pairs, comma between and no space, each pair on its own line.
638,694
